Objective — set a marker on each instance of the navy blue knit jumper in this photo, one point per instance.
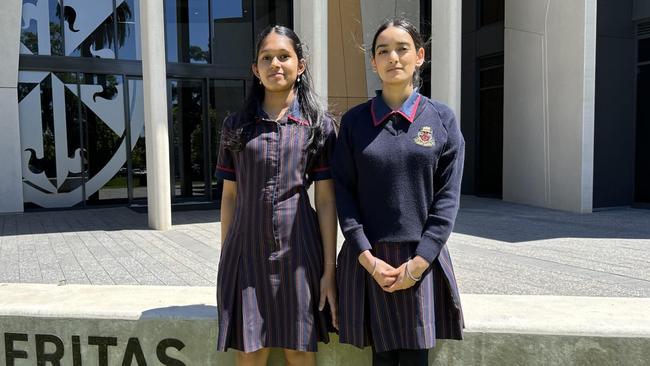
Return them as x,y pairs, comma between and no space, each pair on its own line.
397,174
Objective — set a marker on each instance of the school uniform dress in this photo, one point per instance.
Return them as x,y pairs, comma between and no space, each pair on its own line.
268,282
397,178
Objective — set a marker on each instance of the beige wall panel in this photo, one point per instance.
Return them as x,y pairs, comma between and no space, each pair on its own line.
354,55
353,102
335,56
347,75
338,106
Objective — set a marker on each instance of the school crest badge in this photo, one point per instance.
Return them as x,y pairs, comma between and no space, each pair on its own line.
424,137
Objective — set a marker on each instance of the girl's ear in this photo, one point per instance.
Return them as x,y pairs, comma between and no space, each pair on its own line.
420,57
373,63
256,71
302,66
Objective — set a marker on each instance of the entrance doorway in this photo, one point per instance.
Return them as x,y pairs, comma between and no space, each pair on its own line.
489,159
642,180
197,108
187,122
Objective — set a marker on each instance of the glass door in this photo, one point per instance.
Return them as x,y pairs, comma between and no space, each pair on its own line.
188,111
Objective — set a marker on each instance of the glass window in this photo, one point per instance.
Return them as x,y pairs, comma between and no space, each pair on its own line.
188,31
89,28
226,97
105,142
128,30
232,24
271,13
138,145
41,28
187,135
492,11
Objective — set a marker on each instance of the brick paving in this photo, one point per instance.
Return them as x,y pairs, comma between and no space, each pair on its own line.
497,248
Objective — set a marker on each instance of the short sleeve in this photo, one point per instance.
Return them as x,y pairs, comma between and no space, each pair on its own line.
225,162
319,168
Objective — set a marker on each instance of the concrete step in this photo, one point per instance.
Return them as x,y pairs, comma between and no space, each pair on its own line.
104,325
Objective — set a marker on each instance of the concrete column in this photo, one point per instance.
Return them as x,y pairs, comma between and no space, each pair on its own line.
310,22
154,77
549,92
11,189
446,40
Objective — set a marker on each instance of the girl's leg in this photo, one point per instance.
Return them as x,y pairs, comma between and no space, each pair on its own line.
299,358
413,357
257,358
388,358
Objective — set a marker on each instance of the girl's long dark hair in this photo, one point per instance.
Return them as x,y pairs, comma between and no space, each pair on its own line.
412,31
311,107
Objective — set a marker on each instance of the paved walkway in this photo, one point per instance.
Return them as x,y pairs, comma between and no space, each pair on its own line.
497,248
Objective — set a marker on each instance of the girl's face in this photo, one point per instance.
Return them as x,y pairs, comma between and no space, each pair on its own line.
395,57
278,65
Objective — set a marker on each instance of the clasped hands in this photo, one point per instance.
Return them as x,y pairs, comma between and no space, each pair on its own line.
392,279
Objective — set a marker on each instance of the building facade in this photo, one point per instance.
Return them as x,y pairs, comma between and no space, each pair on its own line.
552,95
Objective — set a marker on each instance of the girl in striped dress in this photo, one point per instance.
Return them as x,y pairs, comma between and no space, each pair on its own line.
397,170
276,280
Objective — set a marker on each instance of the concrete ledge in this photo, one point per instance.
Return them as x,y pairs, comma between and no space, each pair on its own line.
115,325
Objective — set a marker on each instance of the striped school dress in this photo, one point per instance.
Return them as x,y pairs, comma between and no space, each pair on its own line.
397,177
268,281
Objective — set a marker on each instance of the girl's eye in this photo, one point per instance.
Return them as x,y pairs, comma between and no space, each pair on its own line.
381,52
266,58
284,57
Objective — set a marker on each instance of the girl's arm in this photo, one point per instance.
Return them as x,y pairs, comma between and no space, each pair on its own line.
325,202
227,206
326,210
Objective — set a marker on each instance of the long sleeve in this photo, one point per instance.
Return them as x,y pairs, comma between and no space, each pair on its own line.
344,172
447,182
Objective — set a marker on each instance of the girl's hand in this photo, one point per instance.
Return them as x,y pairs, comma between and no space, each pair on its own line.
416,268
384,274
328,293
377,268
402,281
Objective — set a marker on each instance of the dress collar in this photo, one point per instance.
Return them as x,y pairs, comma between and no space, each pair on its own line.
293,113
381,111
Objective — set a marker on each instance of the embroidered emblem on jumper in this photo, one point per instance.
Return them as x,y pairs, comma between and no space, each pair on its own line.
424,137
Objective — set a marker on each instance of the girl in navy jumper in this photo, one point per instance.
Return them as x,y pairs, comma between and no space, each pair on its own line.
276,280
397,170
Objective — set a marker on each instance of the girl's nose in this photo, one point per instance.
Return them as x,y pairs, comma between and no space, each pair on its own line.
393,57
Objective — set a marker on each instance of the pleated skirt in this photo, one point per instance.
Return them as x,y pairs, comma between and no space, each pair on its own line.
407,319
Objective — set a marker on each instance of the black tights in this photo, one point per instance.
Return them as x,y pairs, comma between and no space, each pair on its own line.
401,357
